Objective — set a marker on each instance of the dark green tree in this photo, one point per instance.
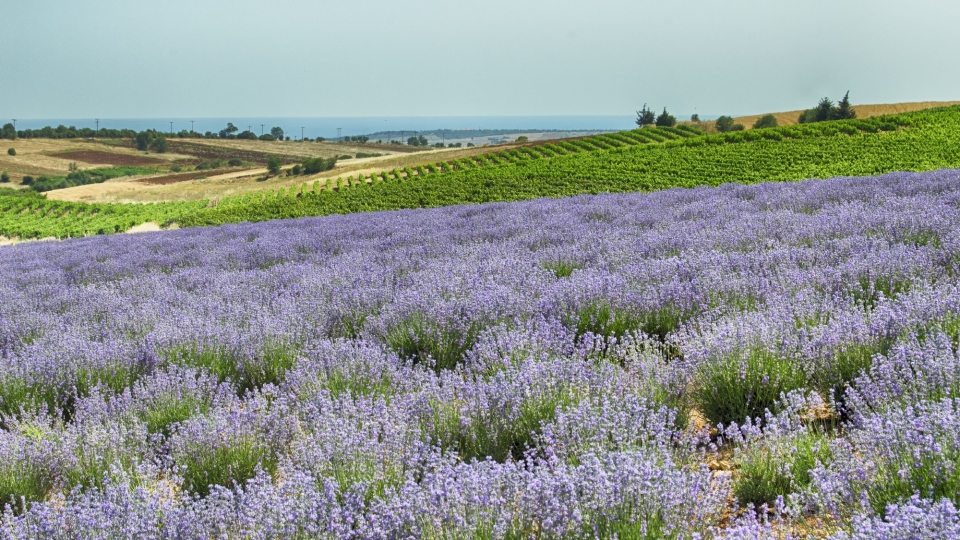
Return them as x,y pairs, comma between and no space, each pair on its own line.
143,140
844,110
273,164
277,133
227,132
825,110
765,121
12,151
694,117
159,144
724,124
4,177
645,117
8,132
666,119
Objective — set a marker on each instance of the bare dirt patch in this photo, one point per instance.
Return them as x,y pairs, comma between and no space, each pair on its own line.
108,158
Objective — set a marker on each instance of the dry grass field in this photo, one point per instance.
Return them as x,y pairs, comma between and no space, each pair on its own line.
216,185
52,157
790,118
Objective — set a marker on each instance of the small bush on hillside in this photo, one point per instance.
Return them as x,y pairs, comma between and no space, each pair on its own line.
725,124
27,180
765,121
4,177
315,165
273,164
267,137
296,169
176,168
12,151
235,162
522,138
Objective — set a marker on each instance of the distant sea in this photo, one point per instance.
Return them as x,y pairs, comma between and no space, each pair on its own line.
327,127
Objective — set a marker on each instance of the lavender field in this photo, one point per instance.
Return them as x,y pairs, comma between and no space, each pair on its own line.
736,362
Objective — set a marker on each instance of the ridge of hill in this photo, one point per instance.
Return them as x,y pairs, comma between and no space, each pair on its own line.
790,118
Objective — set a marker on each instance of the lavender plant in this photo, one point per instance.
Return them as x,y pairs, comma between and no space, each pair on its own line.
566,368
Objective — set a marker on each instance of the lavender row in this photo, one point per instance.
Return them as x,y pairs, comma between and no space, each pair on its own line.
543,369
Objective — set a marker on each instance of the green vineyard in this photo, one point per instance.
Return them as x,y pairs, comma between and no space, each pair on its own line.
639,160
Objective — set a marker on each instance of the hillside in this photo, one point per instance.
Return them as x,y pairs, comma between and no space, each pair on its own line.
918,141
639,160
790,118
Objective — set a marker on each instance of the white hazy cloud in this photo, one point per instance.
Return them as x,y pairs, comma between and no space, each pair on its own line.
211,58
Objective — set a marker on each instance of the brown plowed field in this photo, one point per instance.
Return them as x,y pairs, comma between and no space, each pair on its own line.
108,158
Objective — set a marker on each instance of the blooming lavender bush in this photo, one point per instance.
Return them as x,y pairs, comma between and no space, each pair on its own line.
610,366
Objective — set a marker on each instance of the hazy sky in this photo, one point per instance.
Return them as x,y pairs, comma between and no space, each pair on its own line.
221,58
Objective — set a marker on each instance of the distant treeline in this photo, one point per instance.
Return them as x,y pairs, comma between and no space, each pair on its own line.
465,133
64,132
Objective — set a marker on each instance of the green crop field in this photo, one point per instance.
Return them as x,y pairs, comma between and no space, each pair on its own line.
640,160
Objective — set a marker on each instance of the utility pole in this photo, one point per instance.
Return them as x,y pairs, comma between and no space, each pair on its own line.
191,126
338,135
261,130
301,133
98,128
14,124
248,127
171,128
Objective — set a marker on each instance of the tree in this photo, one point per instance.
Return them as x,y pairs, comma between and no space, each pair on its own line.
273,164
151,140
724,124
8,132
277,133
666,119
315,165
825,110
159,144
695,117
4,177
645,117
267,137
765,121
844,110
11,151
248,135
227,132
522,138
